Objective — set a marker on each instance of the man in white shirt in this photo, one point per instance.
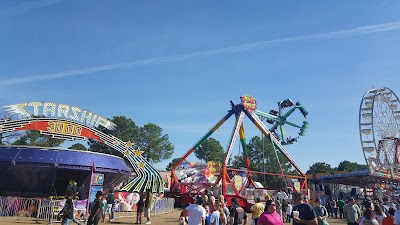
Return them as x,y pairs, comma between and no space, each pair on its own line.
197,213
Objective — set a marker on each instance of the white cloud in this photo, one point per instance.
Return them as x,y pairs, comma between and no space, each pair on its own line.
220,51
25,7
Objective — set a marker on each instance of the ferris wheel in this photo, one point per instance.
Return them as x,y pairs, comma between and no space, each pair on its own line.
379,130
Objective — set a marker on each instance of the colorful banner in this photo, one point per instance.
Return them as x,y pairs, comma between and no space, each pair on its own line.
93,191
98,179
79,207
126,201
66,128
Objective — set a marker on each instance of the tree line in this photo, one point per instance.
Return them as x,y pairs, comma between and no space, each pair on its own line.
321,167
149,138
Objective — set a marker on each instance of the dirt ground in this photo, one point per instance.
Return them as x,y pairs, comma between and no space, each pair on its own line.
163,219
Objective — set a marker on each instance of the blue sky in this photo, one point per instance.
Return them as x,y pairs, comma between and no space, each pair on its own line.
178,63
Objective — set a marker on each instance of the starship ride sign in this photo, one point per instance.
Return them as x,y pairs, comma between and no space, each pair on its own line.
72,123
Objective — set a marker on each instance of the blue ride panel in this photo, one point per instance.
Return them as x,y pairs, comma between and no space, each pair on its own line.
34,171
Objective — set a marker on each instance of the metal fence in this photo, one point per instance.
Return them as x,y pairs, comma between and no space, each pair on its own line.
159,206
47,210
164,205
19,207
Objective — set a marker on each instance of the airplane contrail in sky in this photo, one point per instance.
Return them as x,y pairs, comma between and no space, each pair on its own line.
220,51
25,7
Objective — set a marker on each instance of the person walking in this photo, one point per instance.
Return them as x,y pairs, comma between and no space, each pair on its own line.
211,203
305,211
278,205
341,204
237,214
139,210
321,212
197,213
110,205
95,212
368,217
335,208
389,219
351,212
103,208
257,209
379,214
270,216
284,206
147,205
208,214
289,208
218,216
67,211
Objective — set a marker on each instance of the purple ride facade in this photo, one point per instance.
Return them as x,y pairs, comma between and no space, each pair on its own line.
41,172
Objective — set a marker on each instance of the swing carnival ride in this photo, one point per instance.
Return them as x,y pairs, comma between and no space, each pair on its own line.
379,124
66,122
279,119
225,183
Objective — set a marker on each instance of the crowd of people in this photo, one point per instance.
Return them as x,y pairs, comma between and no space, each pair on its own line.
207,211
103,205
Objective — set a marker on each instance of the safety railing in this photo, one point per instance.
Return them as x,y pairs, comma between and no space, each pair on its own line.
47,210
159,206
21,208
163,205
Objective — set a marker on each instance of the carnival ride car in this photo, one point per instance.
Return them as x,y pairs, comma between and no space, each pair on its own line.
184,189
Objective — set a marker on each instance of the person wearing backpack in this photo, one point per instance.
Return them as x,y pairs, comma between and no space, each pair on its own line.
237,214
320,212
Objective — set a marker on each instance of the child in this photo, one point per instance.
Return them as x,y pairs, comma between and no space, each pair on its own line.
139,210
103,209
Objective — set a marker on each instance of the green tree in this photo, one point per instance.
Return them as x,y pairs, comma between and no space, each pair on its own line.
154,144
78,146
347,165
265,157
9,137
172,163
126,130
320,167
34,138
210,150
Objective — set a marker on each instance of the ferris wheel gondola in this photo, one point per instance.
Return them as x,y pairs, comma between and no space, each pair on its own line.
379,124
